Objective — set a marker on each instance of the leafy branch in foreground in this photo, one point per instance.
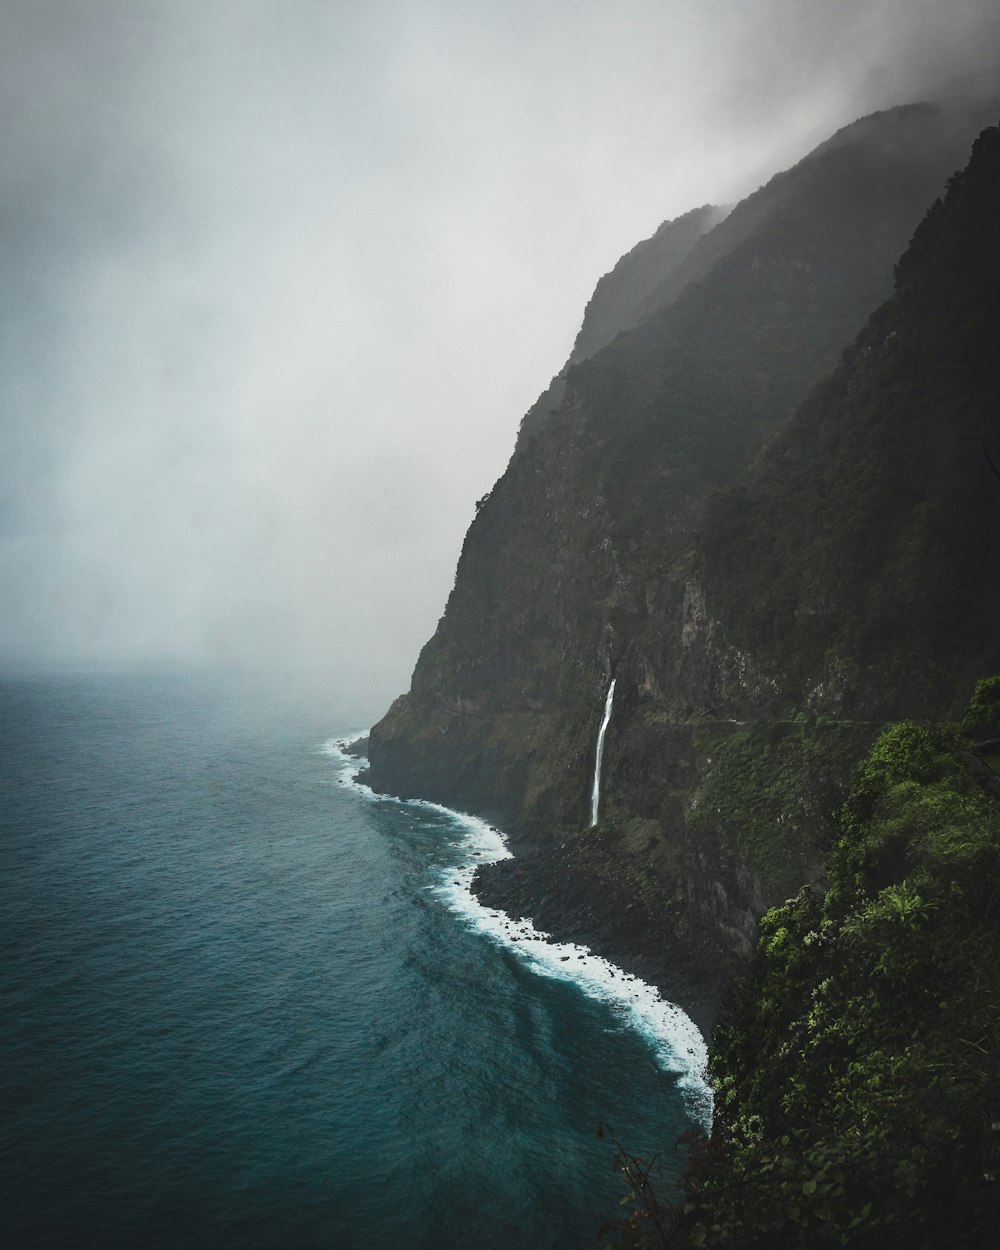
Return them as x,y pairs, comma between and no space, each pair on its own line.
649,1218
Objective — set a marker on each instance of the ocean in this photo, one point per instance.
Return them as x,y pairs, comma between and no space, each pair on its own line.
247,1003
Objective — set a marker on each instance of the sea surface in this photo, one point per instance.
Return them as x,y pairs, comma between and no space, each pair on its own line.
247,1003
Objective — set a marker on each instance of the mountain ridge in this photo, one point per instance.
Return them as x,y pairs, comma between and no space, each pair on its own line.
584,561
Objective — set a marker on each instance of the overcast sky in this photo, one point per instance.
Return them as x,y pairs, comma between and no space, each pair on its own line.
280,278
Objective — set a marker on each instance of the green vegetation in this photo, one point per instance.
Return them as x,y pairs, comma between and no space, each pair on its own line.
982,718
857,1073
774,786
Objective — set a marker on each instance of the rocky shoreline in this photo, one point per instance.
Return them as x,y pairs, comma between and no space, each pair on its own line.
544,884
549,885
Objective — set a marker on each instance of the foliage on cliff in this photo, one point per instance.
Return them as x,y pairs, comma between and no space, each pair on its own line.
857,1074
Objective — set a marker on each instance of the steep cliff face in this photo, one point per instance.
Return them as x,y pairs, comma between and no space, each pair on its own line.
881,600
593,556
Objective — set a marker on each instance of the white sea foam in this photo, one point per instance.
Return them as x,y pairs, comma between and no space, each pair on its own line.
676,1040
347,765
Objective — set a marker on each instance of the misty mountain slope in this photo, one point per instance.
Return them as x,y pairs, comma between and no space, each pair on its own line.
882,599
882,141
651,275
848,580
641,280
574,564
657,270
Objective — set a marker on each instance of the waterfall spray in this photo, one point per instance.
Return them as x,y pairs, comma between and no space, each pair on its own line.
595,794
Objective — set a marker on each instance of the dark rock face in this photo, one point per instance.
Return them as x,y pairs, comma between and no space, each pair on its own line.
881,601
628,538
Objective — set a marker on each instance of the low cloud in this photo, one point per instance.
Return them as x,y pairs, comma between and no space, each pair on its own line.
280,279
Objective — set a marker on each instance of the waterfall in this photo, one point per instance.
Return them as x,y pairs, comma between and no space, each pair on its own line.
595,796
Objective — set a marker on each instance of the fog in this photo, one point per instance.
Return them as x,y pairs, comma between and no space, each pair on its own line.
280,278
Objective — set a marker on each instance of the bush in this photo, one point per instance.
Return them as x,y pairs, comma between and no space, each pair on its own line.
982,717
858,1074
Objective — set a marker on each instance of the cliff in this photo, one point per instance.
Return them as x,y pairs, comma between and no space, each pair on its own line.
879,601
755,639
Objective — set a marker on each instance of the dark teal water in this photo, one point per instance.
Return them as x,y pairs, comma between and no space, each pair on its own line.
238,1012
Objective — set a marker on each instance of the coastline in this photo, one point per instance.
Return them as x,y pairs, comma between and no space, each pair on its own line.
529,899
543,883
